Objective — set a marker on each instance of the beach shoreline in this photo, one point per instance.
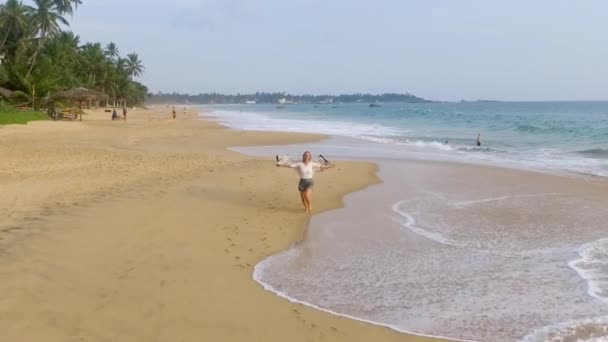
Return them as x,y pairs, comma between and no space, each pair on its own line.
114,227
487,217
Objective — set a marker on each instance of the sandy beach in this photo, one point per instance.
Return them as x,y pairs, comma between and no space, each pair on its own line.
148,230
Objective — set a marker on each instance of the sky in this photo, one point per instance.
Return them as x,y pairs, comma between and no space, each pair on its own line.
436,49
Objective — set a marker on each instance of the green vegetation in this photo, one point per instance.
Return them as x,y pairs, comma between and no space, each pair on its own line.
39,57
276,97
7,118
11,115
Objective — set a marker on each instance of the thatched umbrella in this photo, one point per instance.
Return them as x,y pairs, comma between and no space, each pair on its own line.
81,95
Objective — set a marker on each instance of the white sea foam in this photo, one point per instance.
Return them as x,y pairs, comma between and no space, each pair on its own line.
435,235
538,159
418,143
410,224
258,276
593,267
583,330
462,204
433,144
263,122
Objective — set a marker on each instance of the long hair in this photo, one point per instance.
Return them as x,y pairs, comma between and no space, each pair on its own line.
306,157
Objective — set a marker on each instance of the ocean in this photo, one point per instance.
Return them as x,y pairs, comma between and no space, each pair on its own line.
456,250
570,136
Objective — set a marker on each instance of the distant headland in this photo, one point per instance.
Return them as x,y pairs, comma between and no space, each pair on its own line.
280,98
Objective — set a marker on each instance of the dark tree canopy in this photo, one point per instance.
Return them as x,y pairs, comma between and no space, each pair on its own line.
40,57
277,97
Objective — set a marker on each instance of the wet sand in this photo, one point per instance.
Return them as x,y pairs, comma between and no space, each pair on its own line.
491,254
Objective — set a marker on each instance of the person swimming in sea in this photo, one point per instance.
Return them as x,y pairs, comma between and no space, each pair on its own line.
478,139
306,169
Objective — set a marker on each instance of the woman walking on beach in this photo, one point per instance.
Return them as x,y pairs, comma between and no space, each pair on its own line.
306,169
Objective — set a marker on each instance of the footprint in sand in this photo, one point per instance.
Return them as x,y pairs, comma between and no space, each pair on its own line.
10,229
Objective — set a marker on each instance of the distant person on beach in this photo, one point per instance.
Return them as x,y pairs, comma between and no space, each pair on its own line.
174,113
124,113
306,169
114,115
478,139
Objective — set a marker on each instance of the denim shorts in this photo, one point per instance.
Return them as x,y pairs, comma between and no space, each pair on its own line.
305,184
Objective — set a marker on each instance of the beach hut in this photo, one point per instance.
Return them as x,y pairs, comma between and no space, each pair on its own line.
81,95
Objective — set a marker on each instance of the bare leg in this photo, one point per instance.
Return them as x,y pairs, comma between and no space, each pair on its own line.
308,199
303,198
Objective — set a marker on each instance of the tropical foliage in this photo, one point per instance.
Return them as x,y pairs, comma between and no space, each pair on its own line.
39,56
14,117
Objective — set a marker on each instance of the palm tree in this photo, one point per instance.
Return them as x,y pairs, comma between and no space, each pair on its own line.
93,58
64,53
13,18
133,65
38,57
112,50
46,20
68,38
66,6
121,65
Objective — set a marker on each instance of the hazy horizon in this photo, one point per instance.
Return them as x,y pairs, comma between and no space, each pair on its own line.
438,50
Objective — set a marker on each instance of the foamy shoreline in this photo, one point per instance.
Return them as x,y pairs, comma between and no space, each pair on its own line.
506,147
554,186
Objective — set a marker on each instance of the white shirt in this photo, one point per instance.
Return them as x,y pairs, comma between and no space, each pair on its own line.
306,171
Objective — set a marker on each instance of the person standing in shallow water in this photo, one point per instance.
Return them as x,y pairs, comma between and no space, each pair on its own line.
478,139
306,169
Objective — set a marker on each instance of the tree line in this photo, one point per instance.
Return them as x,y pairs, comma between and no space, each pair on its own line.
40,57
279,97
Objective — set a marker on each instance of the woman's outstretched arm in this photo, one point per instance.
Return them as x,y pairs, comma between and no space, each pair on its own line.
326,166
290,166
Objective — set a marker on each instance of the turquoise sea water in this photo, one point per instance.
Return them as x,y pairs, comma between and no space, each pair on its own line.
432,251
570,136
